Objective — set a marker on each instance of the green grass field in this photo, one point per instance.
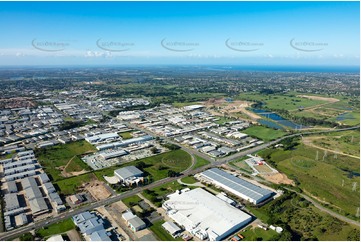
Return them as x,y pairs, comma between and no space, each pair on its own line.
305,221
69,186
240,164
76,164
178,160
161,191
253,234
180,105
264,133
126,135
156,166
130,201
58,228
350,118
200,162
161,233
327,178
223,120
58,156
347,142
275,101
189,180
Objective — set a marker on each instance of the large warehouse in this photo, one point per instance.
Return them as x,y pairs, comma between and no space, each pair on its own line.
204,215
237,186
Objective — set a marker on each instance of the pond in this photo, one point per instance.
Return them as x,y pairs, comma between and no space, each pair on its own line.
344,116
277,118
269,124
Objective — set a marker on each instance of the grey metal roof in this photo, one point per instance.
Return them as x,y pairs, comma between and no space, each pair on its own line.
171,227
82,217
56,198
90,224
33,192
128,171
100,235
49,187
11,201
19,169
24,153
237,184
44,177
18,163
136,222
28,182
20,175
12,186
38,205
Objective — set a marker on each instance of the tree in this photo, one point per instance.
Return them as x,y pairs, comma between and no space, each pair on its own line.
27,237
172,173
140,165
154,150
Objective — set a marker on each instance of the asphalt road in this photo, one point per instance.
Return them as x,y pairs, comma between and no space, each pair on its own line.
18,232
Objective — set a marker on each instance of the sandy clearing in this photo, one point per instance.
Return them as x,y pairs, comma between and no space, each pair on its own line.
236,106
327,99
278,178
98,190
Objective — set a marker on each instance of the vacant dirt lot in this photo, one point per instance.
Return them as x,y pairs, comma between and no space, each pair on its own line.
236,106
98,190
278,178
327,99
73,235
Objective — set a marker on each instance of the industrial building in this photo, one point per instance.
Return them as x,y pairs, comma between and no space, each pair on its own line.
109,154
12,187
125,143
78,219
193,107
37,203
96,139
38,206
128,174
100,235
133,221
11,201
92,225
204,215
44,178
171,228
236,186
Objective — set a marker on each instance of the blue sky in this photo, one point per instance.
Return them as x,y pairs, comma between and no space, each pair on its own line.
238,33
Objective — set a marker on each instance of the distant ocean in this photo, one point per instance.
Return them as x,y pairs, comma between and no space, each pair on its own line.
253,68
323,69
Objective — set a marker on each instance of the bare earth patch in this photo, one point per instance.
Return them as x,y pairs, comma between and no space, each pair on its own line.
73,235
236,106
98,190
278,178
327,99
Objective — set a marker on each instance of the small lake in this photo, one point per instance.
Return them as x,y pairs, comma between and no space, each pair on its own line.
269,124
277,118
344,116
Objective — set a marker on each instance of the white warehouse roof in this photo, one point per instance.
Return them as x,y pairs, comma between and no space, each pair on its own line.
128,172
202,213
102,137
236,185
